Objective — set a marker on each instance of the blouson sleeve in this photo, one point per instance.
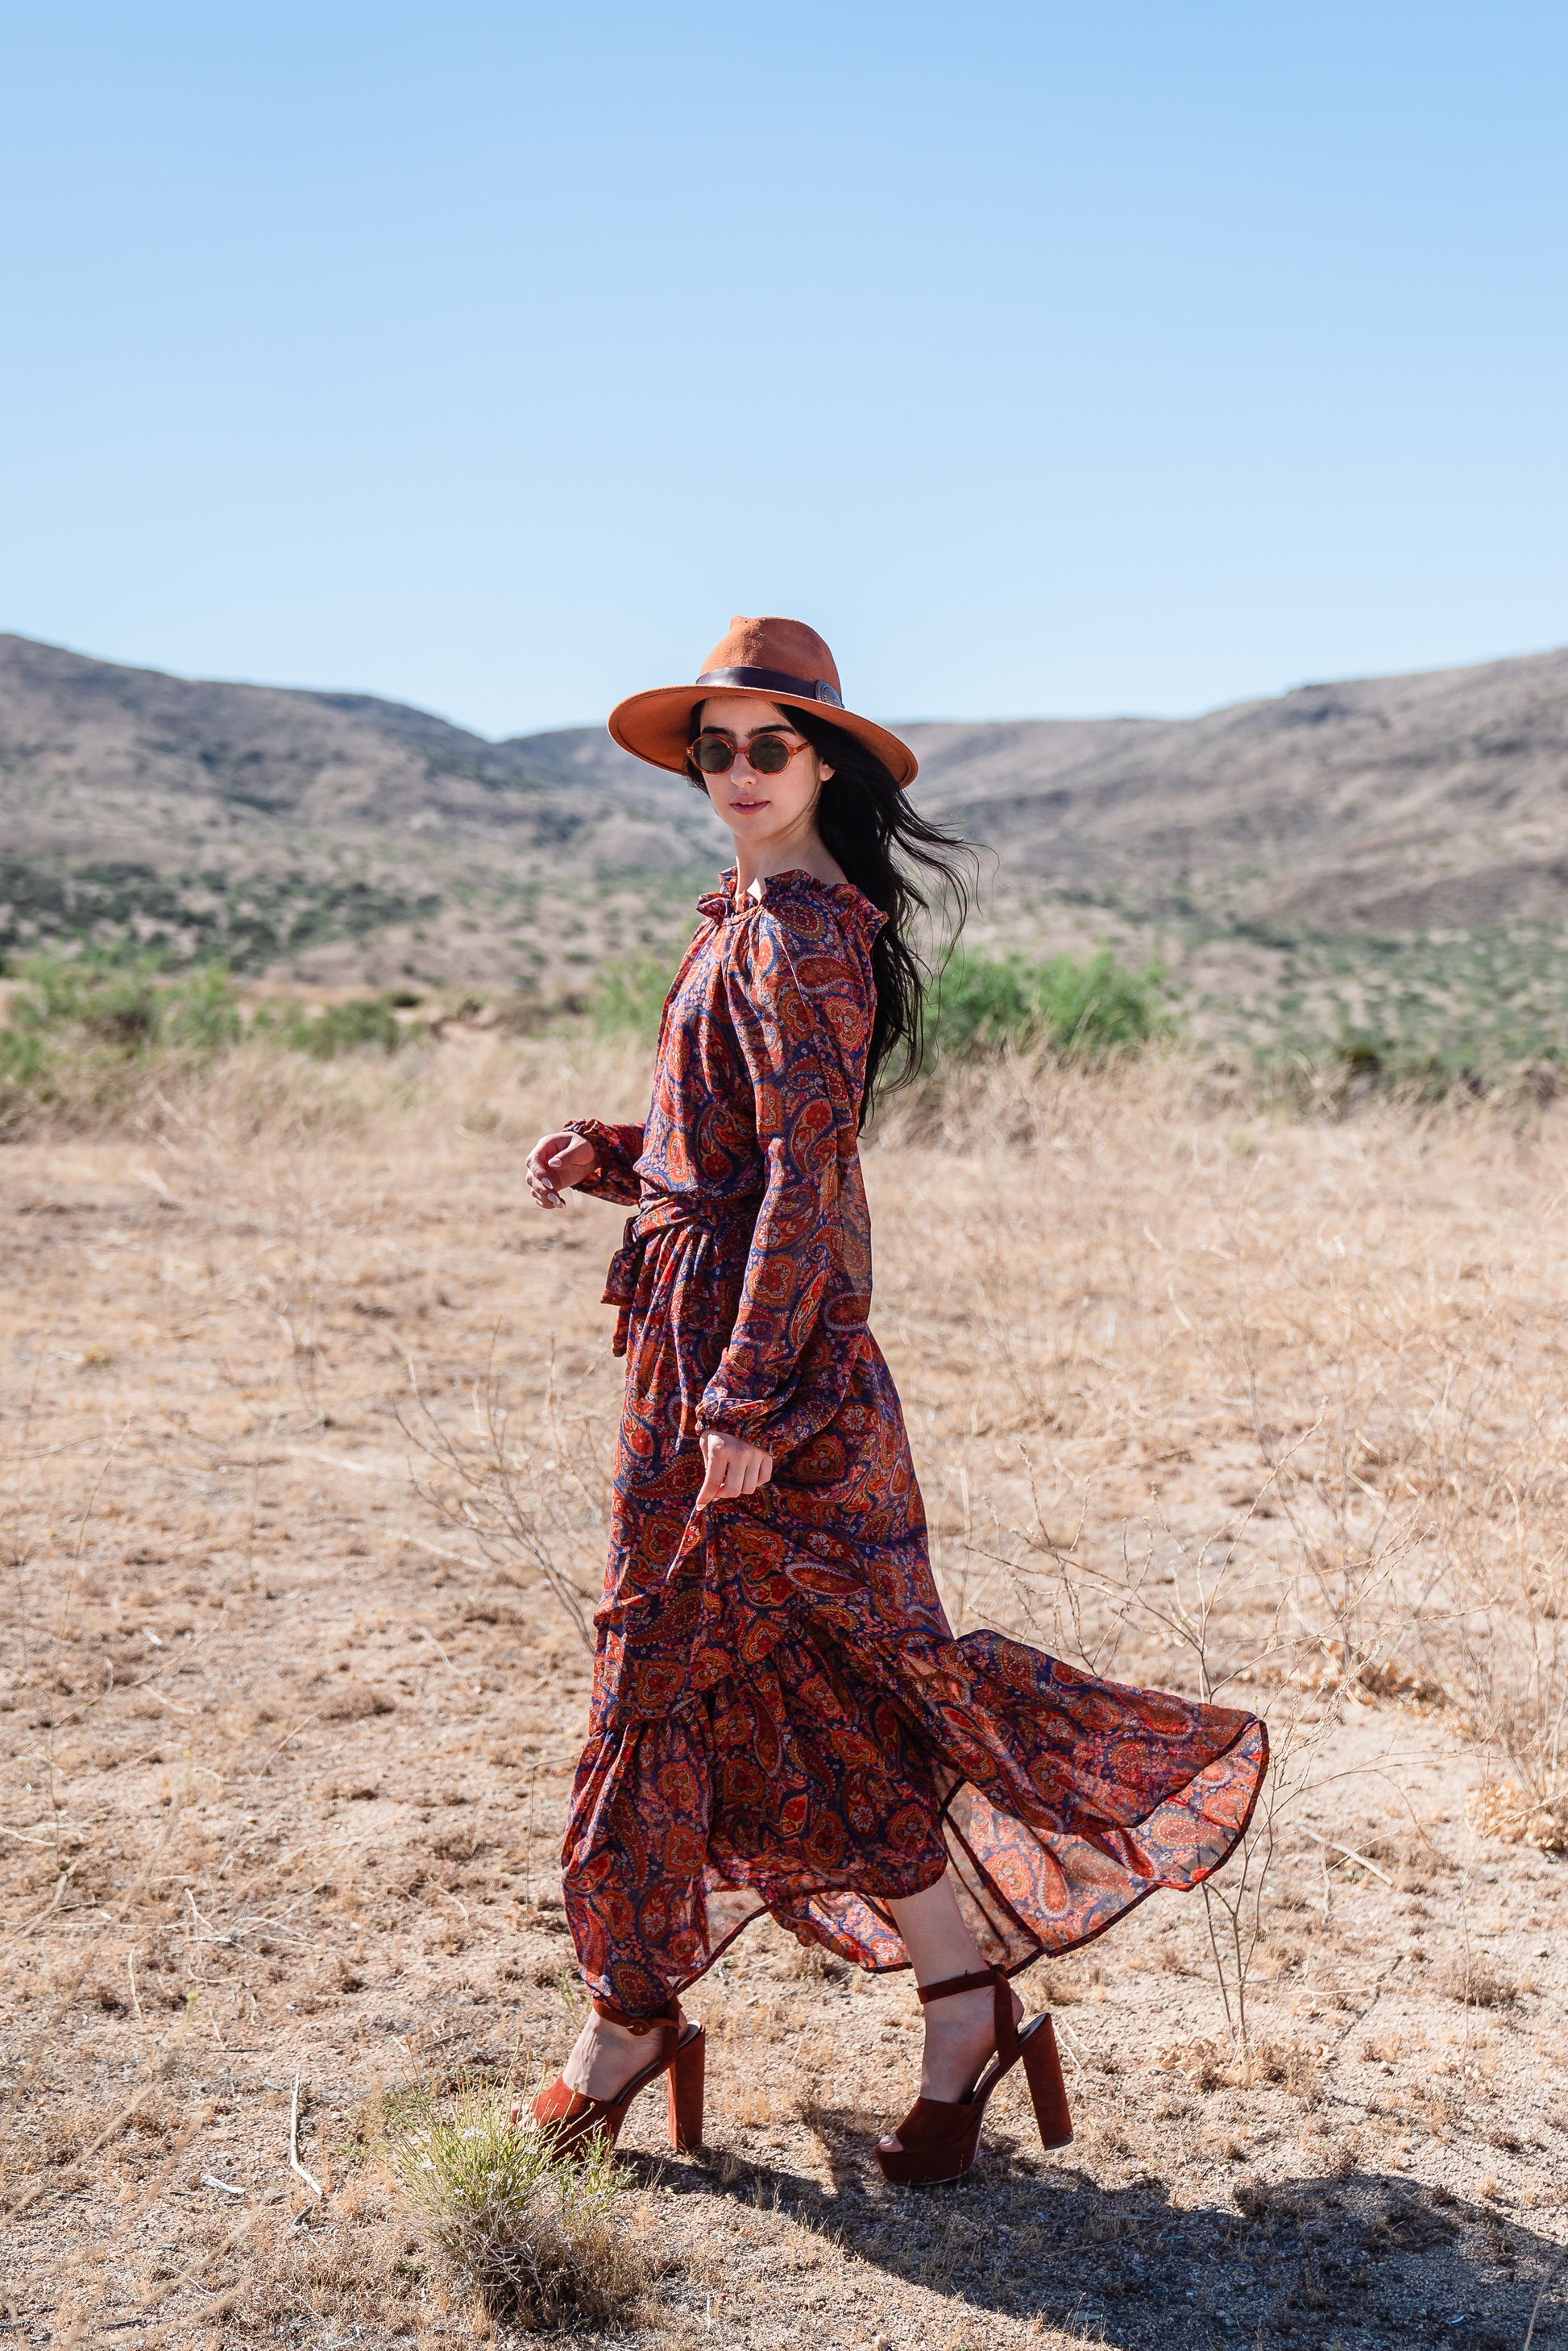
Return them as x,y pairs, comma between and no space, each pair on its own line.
615,1177
802,1009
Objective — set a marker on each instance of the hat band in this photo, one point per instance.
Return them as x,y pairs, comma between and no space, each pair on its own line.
774,681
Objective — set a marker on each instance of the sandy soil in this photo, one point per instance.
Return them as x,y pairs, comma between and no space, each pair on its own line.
285,1753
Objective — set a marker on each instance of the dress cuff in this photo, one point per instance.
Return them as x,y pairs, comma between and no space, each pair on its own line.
612,1178
750,1422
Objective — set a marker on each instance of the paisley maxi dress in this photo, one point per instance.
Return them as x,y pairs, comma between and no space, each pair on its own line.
781,1718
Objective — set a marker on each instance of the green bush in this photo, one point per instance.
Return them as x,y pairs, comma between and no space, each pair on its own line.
360,1024
628,1000
200,1014
127,1008
202,915
24,1061
1088,1010
79,1029
1430,1015
1364,1059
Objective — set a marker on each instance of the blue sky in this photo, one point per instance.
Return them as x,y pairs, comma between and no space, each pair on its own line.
1049,358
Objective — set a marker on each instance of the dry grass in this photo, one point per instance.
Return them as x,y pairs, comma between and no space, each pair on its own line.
1269,1410
1339,1343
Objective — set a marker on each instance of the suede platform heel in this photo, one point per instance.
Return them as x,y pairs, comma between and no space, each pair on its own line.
680,2058
939,2136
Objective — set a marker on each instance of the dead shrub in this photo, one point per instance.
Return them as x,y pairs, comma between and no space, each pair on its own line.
354,1701
1514,1816
812,1964
1292,2065
457,1844
531,1491
1405,2225
1479,1982
1059,1988
1205,2064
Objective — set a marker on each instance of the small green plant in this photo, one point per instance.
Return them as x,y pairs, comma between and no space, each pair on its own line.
1087,1010
92,1002
117,1005
24,1061
521,2225
628,1000
82,1031
360,1024
200,1014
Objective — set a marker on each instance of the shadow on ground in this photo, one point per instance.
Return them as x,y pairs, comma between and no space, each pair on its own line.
1364,2260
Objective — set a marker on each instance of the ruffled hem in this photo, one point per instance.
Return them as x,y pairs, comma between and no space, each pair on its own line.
830,1780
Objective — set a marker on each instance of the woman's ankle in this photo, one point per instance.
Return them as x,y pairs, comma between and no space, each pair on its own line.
960,2036
604,2055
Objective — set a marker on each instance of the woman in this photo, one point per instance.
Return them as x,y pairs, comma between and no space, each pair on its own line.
782,1719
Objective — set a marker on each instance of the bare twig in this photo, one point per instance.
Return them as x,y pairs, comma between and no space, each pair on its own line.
1349,1854
510,1500
294,2163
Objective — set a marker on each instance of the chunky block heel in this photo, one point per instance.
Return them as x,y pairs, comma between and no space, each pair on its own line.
574,2118
939,2136
685,2080
1047,2090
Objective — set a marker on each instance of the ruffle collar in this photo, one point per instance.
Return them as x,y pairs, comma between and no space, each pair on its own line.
779,892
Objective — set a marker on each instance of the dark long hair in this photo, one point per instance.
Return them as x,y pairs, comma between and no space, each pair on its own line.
902,862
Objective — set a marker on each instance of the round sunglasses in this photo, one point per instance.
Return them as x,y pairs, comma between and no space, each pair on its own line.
768,755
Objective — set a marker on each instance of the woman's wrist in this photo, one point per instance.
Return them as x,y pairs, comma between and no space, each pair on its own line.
578,1131
735,1435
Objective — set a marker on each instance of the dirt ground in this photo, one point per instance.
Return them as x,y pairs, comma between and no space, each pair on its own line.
287,1749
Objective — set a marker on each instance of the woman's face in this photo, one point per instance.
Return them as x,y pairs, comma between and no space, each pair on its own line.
757,808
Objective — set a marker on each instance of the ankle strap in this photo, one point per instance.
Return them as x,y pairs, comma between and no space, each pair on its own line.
669,2014
951,1984
1007,2031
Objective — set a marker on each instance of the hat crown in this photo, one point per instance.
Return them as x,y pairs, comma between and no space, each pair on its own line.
787,646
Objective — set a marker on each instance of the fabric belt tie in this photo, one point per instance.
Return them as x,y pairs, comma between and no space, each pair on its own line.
664,1214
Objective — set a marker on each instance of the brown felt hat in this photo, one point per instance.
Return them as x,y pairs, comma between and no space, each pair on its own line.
782,662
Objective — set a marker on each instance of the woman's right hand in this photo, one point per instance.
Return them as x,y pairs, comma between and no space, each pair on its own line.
556,1163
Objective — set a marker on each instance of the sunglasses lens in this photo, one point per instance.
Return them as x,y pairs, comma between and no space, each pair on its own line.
713,755
769,755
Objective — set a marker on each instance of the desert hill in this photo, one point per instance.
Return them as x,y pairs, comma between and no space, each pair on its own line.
91,753
1394,803
335,836
362,835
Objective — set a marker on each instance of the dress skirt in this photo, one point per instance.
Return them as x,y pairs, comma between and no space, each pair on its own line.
783,1722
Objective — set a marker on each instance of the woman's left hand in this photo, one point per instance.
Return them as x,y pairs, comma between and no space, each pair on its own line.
731,1466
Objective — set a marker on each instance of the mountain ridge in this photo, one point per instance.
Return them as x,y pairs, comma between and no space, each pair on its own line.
1401,804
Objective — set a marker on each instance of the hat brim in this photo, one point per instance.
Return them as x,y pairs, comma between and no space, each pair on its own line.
656,725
